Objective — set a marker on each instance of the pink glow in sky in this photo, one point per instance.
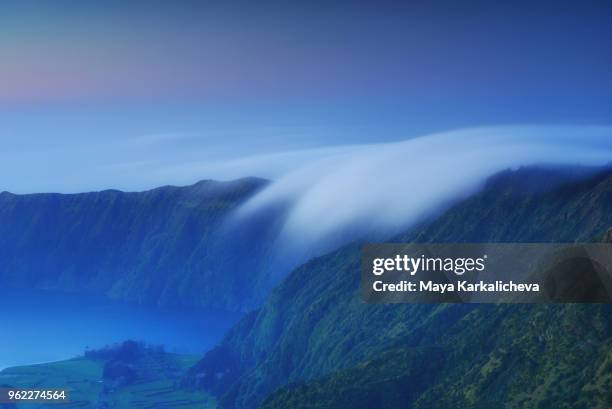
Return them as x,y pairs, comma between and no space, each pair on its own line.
78,52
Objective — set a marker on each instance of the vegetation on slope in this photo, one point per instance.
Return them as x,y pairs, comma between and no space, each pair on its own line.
510,356
314,324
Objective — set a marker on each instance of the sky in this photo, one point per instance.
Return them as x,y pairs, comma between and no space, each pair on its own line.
133,95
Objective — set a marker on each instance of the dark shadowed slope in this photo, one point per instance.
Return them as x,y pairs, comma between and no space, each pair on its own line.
314,324
166,246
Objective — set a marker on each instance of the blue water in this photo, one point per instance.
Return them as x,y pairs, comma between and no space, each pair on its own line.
38,326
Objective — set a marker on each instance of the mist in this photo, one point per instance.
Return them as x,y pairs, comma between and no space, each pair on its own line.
377,190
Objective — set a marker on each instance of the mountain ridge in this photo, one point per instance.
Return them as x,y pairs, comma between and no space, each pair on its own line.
163,246
199,183
314,324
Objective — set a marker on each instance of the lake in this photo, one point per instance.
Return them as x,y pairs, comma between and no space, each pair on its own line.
39,326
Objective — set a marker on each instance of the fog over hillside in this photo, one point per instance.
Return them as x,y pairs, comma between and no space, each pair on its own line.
380,189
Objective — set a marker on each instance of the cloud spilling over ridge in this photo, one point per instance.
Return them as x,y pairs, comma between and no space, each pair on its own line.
384,188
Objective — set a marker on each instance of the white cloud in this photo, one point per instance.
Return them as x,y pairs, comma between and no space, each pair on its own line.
368,189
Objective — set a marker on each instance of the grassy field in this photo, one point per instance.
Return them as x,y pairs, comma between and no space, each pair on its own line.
83,378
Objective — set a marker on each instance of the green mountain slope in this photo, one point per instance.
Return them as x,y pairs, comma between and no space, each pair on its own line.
166,246
493,357
314,324
397,375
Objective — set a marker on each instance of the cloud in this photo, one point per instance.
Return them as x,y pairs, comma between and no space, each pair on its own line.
382,189
271,165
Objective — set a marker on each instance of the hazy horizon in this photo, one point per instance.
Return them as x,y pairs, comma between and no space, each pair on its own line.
133,96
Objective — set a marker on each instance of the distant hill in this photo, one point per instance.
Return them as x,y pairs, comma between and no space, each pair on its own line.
129,375
166,246
315,344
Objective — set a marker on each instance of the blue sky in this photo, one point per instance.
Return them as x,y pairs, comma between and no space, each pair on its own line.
103,94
